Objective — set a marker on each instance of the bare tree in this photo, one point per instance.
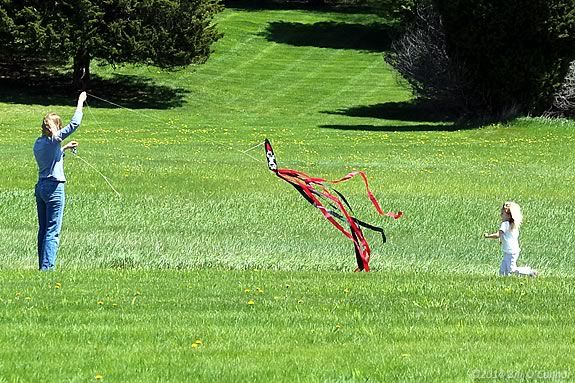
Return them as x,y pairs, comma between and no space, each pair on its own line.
564,97
421,57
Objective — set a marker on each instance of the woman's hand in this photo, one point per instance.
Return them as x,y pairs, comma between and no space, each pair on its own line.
70,145
81,98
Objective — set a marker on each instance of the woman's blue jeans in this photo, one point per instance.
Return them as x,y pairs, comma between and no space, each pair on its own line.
50,201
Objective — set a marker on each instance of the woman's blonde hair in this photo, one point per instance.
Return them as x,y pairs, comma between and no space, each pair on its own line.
515,213
51,124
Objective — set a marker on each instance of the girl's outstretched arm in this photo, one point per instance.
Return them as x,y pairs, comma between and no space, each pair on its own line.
495,235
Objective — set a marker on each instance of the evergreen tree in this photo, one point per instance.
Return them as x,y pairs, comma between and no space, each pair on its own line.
164,33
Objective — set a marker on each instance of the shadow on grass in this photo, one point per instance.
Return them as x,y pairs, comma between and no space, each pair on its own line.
41,86
400,111
374,37
396,128
426,116
136,92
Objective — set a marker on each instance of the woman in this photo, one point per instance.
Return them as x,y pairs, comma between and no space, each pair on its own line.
50,195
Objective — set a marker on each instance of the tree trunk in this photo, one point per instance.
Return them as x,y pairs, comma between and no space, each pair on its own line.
81,69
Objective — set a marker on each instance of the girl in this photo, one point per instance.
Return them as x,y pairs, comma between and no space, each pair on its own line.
50,196
508,235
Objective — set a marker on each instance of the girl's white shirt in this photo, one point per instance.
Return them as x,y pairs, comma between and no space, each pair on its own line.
509,239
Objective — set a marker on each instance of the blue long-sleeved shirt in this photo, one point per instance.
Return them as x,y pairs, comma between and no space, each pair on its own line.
48,153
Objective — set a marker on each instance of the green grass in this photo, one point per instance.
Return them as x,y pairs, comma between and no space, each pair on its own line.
190,199
330,327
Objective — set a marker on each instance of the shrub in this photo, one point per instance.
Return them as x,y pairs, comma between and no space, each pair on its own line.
516,52
488,58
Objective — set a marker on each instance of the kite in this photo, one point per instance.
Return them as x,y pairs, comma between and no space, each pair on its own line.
334,207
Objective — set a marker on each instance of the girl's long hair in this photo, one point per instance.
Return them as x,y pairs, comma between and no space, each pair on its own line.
515,213
51,124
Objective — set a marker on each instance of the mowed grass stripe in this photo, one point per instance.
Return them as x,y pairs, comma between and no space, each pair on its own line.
348,90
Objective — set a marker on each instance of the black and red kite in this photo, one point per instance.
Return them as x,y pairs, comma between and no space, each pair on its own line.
338,211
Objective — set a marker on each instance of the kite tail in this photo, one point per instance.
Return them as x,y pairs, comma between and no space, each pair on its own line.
309,193
312,188
304,185
370,195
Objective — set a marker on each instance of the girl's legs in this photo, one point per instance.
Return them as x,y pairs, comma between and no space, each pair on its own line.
53,197
505,268
524,270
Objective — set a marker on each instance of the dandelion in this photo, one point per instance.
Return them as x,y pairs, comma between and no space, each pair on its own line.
58,285
100,302
251,302
247,290
198,342
258,290
195,345
99,377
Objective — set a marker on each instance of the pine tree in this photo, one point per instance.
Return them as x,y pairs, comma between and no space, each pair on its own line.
163,33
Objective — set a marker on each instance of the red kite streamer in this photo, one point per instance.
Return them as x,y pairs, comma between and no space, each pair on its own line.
314,190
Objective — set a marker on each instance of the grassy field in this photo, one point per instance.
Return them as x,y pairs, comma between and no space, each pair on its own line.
282,326
120,307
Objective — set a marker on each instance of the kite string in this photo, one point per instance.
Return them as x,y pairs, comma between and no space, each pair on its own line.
252,148
173,125
100,173
92,115
75,152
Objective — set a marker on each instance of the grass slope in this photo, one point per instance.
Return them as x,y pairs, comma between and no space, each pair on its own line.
431,310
